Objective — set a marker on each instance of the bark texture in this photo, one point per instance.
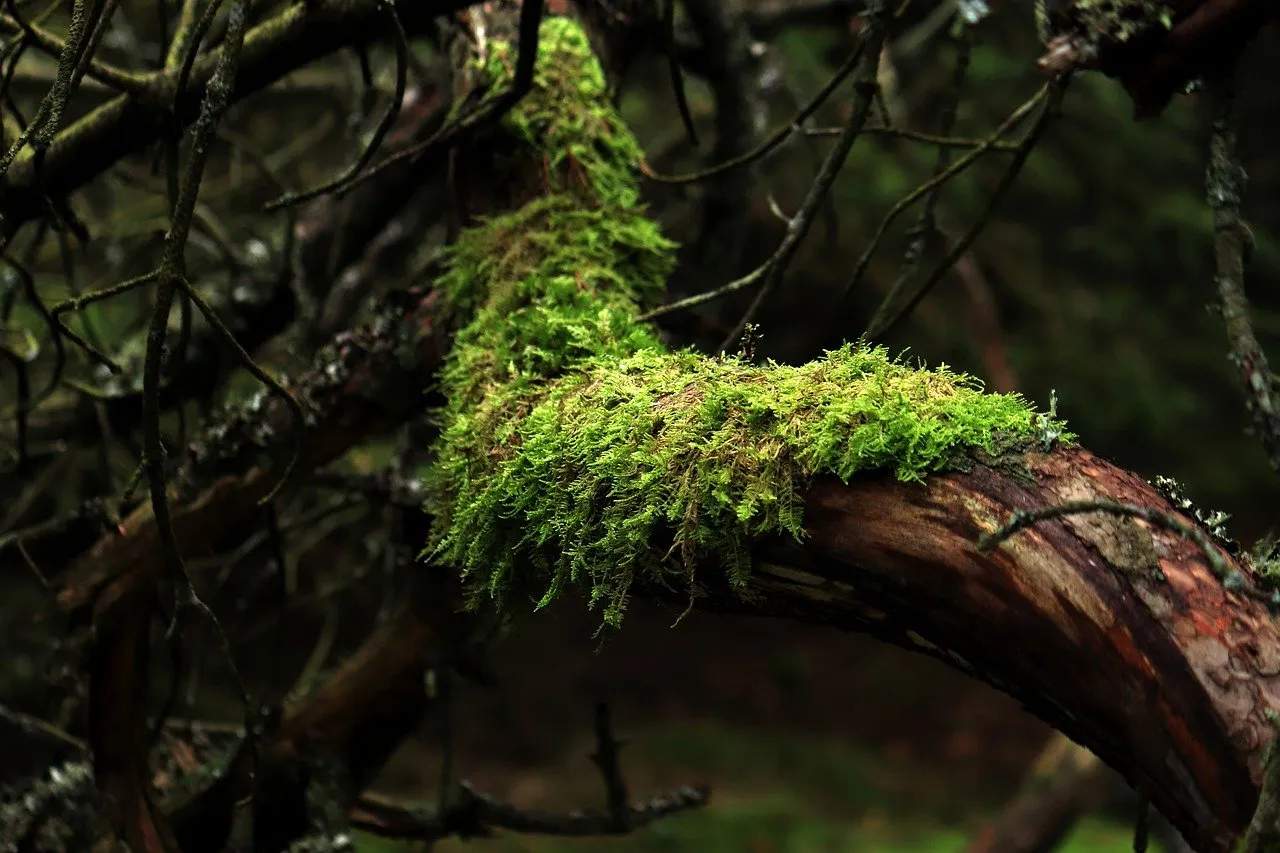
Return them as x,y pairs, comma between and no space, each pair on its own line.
1168,681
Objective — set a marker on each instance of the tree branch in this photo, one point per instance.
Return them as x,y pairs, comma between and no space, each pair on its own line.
300,34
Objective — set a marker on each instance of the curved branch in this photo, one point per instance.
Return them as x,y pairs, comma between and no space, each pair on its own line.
1167,680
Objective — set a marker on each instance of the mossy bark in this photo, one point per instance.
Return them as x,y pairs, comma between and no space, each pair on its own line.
576,448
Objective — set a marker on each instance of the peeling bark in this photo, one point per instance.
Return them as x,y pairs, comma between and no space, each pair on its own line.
1167,681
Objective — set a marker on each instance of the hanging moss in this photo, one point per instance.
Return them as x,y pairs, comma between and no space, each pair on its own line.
575,448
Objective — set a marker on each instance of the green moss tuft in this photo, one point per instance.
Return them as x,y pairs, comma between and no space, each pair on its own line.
576,449
570,118
584,480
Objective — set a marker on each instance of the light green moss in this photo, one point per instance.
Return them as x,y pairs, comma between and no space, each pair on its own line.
648,464
576,449
570,120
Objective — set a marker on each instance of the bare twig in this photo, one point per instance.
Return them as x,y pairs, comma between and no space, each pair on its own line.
884,321
337,184
1225,182
489,111
1020,521
924,189
779,136
864,87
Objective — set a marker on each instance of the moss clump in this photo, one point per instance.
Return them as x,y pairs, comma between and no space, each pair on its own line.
554,247
1265,559
591,478
569,118
576,448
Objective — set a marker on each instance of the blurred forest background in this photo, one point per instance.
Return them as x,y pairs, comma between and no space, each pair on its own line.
1091,281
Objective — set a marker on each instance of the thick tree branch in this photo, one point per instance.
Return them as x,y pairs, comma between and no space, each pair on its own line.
614,464
1115,633
367,381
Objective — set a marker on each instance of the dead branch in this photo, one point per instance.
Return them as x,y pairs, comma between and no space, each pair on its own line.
295,37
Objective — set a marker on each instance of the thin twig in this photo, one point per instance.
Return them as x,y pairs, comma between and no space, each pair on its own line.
48,117
883,322
127,82
924,189
170,277
299,422
1224,183
864,87
36,727
673,70
476,814
488,112
779,136
23,388
939,140
1024,519
78,302
340,182
33,297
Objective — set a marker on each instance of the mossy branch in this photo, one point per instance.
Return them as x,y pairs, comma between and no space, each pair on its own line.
577,446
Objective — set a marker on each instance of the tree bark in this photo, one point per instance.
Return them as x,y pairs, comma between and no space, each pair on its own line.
1168,681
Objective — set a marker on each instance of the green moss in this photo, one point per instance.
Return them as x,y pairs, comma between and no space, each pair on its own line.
576,449
1265,559
556,246
570,119
590,479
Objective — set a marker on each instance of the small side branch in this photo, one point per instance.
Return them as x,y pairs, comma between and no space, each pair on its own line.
1224,184
865,88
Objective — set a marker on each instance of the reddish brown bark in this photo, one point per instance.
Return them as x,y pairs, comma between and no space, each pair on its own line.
372,701
1166,680
359,715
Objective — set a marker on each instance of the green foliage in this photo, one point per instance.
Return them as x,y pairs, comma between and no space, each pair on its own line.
575,449
1265,557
